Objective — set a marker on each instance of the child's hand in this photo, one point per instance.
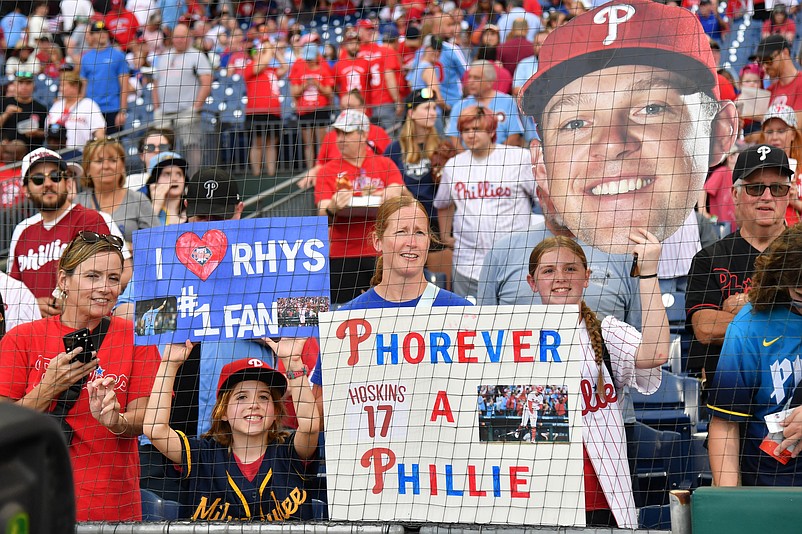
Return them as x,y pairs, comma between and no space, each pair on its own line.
648,249
288,349
177,352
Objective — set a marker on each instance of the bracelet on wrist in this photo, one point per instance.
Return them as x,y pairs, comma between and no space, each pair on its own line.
125,422
303,371
645,276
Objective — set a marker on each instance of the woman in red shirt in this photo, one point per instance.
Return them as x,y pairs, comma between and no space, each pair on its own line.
263,111
311,85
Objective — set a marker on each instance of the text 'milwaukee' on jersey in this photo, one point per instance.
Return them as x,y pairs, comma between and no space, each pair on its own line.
216,489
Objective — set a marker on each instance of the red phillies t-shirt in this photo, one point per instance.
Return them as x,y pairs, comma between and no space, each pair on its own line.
311,99
263,90
36,248
381,60
350,238
122,26
330,151
351,74
789,94
105,466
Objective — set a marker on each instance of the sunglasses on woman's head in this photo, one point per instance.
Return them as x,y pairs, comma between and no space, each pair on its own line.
39,178
87,236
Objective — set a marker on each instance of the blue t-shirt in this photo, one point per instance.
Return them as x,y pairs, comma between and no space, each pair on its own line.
454,66
370,300
759,368
505,108
102,70
13,26
417,177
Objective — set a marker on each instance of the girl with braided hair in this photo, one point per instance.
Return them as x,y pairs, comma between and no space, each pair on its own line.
615,355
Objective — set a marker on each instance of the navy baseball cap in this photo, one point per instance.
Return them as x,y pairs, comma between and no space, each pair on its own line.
760,157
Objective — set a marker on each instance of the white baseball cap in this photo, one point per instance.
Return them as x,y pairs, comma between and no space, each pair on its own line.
352,120
782,112
41,155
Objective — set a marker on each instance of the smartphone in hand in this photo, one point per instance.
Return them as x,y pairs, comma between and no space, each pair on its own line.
80,338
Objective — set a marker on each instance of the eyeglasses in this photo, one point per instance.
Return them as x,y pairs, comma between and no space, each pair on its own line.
781,131
770,59
150,147
39,178
88,236
757,190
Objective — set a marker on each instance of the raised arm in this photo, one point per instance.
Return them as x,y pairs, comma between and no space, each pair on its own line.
289,351
157,417
654,346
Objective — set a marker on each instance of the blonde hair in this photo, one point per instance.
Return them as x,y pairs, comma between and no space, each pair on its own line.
383,215
93,148
411,151
592,323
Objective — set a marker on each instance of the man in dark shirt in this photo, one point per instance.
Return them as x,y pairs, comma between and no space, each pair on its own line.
721,273
23,117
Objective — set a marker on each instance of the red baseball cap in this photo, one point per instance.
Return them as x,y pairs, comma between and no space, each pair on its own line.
366,23
633,32
250,369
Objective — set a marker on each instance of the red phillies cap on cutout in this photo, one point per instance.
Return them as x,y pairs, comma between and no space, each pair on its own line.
636,32
250,369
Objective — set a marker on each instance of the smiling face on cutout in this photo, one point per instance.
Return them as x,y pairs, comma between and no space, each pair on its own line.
623,147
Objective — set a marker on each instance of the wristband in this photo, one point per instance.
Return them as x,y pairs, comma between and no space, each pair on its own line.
644,277
303,371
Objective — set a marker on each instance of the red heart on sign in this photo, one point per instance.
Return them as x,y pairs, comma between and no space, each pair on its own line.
201,255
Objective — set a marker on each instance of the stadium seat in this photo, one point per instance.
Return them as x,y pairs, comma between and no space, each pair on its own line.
657,464
45,90
154,508
657,517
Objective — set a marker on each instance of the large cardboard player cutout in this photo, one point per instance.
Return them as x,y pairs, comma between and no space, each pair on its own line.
627,109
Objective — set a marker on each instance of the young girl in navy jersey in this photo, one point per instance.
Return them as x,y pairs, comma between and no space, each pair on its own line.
246,466
615,355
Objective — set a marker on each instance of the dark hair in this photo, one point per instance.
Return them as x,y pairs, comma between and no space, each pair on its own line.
777,270
592,323
167,133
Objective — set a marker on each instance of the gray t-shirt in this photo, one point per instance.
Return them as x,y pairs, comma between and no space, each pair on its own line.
177,77
611,290
135,213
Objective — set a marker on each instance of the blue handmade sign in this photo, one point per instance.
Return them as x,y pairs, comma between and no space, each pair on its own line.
242,279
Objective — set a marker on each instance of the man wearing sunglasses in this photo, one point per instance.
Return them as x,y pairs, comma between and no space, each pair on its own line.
774,55
38,242
721,273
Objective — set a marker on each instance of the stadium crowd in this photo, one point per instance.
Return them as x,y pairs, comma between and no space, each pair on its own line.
413,99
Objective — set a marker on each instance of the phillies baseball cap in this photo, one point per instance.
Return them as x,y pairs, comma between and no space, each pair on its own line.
212,193
366,23
782,112
250,369
41,155
760,157
98,26
634,32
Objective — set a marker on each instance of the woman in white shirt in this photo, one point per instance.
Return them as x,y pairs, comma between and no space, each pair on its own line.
80,116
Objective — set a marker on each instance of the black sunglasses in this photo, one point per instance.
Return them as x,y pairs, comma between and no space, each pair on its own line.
39,178
757,190
150,147
90,237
